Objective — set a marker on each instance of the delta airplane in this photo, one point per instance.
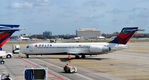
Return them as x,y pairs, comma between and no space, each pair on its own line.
82,49
5,32
21,38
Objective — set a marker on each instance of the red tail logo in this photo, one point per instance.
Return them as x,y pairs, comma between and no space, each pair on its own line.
5,32
4,36
125,35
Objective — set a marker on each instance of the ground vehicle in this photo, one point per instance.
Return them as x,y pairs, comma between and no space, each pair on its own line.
5,55
5,77
1,60
16,49
2,53
8,55
70,69
35,74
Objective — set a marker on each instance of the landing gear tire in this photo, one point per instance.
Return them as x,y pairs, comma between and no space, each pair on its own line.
8,56
77,57
27,55
83,56
2,62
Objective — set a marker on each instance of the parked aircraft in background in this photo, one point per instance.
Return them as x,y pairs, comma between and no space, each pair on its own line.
21,38
81,48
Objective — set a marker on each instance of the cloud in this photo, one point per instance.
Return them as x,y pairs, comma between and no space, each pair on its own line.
41,2
22,5
116,11
139,9
76,13
30,4
143,1
139,13
95,3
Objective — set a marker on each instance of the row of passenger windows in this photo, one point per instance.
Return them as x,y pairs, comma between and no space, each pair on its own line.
43,45
50,46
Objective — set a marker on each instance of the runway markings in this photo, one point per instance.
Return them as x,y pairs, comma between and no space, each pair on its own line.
56,76
31,63
27,61
87,78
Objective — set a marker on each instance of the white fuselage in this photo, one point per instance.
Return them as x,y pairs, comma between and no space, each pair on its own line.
71,48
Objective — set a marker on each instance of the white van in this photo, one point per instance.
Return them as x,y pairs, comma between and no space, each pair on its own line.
3,54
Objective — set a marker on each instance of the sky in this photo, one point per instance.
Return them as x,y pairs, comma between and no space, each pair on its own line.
66,16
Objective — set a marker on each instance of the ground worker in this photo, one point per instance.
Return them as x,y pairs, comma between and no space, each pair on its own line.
66,68
67,65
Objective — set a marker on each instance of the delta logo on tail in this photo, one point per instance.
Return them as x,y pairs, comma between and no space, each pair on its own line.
125,35
6,31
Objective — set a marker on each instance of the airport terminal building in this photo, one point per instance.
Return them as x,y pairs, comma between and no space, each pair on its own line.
88,33
47,34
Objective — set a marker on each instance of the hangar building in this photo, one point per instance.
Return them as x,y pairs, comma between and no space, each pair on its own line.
88,33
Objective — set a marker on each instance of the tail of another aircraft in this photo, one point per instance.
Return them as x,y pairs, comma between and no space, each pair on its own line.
125,35
5,32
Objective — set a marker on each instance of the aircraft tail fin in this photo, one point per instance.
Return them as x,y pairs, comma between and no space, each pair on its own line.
5,32
125,35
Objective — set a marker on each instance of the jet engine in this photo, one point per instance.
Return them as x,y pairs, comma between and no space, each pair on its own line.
99,49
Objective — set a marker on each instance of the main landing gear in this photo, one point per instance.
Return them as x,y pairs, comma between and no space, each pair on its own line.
27,55
83,56
78,57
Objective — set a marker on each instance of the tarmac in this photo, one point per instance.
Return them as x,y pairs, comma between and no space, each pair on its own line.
127,64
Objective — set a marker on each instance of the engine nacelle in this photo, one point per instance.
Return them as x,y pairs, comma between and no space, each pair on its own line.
99,49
